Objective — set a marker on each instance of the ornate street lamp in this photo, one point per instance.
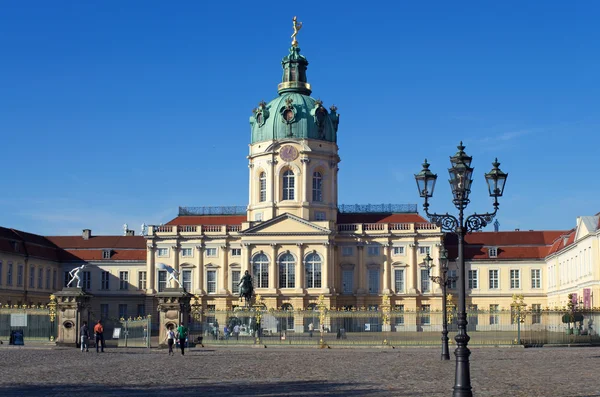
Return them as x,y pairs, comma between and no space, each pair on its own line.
444,281
460,182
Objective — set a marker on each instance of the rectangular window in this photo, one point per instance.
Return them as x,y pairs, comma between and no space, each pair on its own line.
263,187
20,270
211,281
258,217
104,311
452,273
47,278
186,277
472,315
87,281
186,252
515,278
493,252
424,280
211,252
373,250
494,279
319,215
374,281
123,310
400,314
317,193
235,281
142,280
163,252
141,310
210,315
347,281
32,276
399,280
494,318
9,274
104,282
54,279
40,278
425,316
347,251
123,280
536,313
236,252
162,280
473,279
424,250
106,254
536,278
397,251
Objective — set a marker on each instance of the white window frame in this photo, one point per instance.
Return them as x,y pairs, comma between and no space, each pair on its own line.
262,187
162,252
536,279
142,280
425,281
9,274
320,215
86,280
190,281
317,187
287,271
161,284
424,249
515,283
473,279
373,280
20,273
288,185
398,250
399,282
313,270
211,285
105,281
106,254
347,250
236,252
123,280
347,281
258,217
493,252
491,280
187,252
235,288
211,252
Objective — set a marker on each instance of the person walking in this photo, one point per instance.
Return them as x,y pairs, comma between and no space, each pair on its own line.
99,332
311,329
85,336
170,339
182,335
236,331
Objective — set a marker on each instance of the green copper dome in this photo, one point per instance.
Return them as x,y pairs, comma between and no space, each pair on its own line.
294,114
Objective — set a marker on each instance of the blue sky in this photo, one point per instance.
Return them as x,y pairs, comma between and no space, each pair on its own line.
118,112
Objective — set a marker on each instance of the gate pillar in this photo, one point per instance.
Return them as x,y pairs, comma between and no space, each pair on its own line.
173,309
73,307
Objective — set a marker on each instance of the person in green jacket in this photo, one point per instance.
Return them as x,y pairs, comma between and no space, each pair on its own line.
182,332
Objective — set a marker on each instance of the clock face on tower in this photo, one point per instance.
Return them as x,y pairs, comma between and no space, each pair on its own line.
288,153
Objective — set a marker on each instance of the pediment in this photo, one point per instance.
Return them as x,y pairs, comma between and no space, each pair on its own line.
286,224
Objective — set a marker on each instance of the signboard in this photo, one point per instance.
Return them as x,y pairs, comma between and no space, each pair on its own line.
18,320
587,298
116,333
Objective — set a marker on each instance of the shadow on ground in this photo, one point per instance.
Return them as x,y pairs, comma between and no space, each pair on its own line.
308,388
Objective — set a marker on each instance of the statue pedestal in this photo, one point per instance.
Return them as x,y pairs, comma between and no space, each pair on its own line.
73,307
173,309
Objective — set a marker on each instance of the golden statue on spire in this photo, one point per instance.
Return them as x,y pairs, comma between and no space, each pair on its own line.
297,26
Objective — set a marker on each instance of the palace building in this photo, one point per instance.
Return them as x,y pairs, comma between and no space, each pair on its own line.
298,242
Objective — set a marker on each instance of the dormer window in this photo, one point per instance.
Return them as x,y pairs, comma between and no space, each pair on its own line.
106,253
493,252
15,246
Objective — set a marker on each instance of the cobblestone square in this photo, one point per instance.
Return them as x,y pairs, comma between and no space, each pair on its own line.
245,371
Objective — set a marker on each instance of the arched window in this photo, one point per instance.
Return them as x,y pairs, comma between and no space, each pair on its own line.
262,186
287,273
312,266
317,193
288,185
260,270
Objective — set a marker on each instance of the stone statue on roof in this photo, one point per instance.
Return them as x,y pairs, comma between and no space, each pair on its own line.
125,228
144,229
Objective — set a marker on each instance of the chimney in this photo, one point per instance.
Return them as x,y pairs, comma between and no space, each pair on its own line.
130,232
87,233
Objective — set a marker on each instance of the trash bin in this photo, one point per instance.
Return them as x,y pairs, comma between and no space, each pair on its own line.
16,338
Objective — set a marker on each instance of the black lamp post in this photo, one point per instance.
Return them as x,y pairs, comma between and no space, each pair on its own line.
460,181
444,281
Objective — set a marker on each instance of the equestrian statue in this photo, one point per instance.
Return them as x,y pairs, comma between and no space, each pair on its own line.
246,288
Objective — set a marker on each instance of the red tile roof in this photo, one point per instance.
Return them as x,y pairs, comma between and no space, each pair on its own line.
208,220
115,242
379,218
96,255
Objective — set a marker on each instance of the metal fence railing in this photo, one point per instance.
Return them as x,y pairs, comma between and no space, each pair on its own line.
35,323
376,327
134,332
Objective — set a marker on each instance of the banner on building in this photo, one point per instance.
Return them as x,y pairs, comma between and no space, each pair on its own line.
587,298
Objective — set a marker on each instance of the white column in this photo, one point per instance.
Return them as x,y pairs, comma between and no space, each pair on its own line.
326,264
412,269
250,184
306,180
361,287
300,268
224,276
273,267
175,249
150,270
200,274
246,251
387,268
